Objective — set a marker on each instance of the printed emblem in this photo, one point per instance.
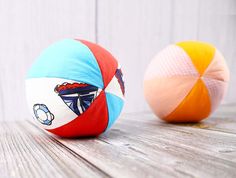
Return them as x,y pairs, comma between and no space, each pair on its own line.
119,76
42,114
77,96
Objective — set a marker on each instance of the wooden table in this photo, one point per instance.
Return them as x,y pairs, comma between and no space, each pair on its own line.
139,145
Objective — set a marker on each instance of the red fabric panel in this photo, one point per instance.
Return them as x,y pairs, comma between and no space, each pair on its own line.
91,123
107,63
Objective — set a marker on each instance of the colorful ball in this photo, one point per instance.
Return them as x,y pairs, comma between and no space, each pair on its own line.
75,88
186,81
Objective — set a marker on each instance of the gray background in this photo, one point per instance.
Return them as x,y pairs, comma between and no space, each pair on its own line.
132,30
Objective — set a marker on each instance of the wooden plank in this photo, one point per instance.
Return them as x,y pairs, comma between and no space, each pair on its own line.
120,161
174,149
203,136
217,144
181,157
217,25
139,145
134,31
222,120
27,27
25,151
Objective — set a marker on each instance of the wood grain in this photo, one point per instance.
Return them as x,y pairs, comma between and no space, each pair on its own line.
28,152
139,145
173,149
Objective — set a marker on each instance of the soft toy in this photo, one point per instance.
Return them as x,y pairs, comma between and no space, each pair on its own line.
75,88
186,81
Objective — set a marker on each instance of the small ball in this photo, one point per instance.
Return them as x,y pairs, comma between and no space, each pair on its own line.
75,88
186,81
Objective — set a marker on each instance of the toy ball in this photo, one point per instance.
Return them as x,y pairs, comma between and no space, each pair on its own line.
186,81
75,88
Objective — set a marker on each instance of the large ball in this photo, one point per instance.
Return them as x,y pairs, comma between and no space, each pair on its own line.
75,88
186,81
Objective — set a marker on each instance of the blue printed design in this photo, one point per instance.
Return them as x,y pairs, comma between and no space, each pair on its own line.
77,96
47,117
119,76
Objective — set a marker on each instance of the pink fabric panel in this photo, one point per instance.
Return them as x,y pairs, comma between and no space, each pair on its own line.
164,94
172,61
216,89
218,68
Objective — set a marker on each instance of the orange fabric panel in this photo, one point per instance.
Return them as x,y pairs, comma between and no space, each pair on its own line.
164,94
200,53
195,106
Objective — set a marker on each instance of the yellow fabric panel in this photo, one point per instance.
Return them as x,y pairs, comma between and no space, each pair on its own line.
200,53
195,106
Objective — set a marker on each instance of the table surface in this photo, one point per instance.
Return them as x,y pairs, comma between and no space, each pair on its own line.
138,145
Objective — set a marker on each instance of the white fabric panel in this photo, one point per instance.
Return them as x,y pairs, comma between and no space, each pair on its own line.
41,91
114,88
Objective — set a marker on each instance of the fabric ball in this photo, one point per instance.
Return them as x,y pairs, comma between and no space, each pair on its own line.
186,81
75,88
